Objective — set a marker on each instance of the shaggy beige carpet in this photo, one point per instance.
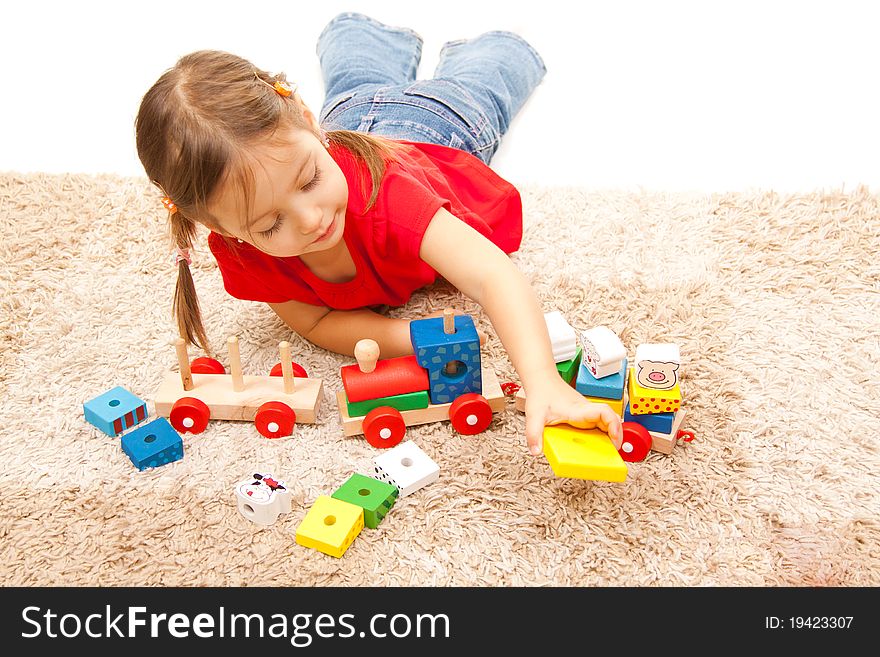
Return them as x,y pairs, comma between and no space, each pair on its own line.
773,299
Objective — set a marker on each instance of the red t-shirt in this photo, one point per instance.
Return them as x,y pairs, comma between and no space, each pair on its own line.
384,241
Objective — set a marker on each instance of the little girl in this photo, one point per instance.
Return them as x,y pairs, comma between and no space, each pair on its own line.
323,225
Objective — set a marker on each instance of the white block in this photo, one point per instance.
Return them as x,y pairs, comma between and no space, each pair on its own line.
603,352
262,498
563,337
657,365
407,467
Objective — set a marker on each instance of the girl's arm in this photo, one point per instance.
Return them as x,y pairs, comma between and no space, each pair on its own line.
486,274
339,330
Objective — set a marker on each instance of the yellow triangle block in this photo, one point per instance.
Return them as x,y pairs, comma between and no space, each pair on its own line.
582,454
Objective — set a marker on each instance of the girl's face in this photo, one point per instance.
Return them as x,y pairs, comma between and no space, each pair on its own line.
300,197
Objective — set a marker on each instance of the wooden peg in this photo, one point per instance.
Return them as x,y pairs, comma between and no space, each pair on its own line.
286,367
449,321
235,364
367,353
183,362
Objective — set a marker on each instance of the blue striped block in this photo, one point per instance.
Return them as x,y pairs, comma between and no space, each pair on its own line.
115,410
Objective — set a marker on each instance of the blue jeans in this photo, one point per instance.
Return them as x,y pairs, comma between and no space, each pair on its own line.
478,86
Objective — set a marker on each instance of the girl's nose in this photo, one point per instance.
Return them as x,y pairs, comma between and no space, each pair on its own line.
310,221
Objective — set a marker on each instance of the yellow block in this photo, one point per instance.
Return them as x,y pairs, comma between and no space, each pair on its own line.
647,400
330,526
616,405
582,453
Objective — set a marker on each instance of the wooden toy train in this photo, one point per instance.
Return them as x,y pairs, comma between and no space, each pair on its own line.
202,391
443,379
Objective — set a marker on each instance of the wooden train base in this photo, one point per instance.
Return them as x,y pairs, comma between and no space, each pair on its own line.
273,403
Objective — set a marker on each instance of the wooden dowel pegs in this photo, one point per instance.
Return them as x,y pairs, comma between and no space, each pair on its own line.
235,364
183,363
286,367
367,353
449,328
449,321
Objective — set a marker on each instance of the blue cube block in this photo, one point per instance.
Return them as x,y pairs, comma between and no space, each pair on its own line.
154,444
115,410
435,349
609,387
659,422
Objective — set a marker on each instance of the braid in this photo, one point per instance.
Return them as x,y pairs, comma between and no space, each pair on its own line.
186,303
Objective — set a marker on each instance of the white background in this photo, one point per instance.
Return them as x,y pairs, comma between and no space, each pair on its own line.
677,95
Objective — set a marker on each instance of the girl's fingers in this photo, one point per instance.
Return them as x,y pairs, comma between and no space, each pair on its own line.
535,433
599,415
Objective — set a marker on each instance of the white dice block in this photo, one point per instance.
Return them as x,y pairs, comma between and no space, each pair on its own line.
563,337
657,365
262,498
407,467
603,352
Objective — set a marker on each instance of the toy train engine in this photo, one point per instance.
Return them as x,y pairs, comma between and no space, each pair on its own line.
443,379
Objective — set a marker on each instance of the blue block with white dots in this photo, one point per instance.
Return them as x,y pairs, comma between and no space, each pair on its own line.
658,422
608,387
115,410
435,349
154,444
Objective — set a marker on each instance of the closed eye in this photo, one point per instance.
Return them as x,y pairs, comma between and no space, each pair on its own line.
279,219
314,181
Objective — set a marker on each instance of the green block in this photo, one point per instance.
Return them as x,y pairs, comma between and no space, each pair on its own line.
374,496
568,368
406,402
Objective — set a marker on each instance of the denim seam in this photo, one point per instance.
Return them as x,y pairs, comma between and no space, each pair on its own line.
344,105
362,17
476,131
517,37
481,122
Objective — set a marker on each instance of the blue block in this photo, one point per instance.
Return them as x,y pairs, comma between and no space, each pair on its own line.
609,387
153,444
434,349
658,422
115,410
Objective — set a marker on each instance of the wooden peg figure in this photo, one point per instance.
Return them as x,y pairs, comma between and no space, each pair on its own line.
367,353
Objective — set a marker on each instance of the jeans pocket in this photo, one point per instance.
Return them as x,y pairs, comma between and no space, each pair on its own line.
455,104
333,105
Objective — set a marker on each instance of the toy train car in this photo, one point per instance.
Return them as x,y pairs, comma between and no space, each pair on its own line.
202,391
443,380
646,397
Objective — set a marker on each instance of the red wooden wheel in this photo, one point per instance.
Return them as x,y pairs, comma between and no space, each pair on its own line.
275,419
636,442
470,414
204,365
189,414
384,427
298,371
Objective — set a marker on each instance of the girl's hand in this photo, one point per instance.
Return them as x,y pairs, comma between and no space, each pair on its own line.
556,402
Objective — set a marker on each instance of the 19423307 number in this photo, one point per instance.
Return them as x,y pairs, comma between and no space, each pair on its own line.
820,622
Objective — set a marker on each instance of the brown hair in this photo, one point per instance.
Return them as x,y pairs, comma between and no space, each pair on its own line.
193,128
